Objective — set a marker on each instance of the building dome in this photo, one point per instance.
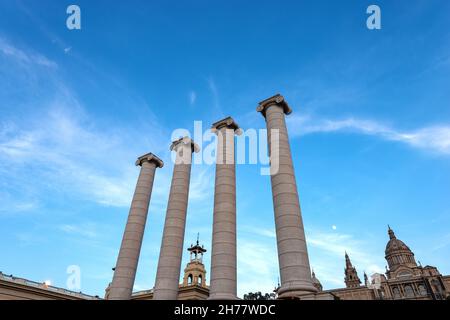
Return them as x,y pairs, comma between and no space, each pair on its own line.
396,245
398,253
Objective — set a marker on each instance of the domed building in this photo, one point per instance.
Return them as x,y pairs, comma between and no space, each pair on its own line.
399,257
404,278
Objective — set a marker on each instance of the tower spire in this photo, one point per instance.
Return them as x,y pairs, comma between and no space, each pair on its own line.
366,279
348,262
351,276
391,232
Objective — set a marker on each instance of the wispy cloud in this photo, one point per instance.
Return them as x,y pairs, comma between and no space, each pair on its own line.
57,146
24,57
433,138
85,230
264,232
202,184
13,205
257,266
215,96
74,154
192,97
327,256
258,259
443,243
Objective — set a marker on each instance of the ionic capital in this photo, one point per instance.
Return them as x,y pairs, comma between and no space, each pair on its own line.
184,141
227,123
150,157
276,100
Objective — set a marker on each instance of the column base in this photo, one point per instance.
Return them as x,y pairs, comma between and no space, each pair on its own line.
119,294
164,294
296,291
223,296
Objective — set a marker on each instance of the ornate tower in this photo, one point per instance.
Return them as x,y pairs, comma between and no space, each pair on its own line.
195,273
398,254
351,276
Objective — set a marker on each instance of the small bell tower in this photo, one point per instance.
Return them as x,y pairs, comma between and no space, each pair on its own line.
195,273
351,276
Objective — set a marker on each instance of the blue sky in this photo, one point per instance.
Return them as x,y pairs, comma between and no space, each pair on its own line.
370,131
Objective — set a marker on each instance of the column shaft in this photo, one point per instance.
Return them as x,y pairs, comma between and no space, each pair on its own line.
293,259
223,254
127,262
169,265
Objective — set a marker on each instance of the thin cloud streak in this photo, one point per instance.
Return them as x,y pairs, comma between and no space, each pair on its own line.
85,230
192,97
23,57
71,153
257,267
433,138
327,256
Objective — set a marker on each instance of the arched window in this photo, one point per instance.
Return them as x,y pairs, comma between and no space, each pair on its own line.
190,279
404,274
437,287
422,290
396,292
409,292
199,279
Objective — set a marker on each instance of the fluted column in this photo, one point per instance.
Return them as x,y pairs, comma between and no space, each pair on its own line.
127,262
169,265
223,254
293,259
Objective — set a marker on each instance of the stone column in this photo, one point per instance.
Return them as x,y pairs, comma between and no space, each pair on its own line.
223,253
293,259
169,265
127,262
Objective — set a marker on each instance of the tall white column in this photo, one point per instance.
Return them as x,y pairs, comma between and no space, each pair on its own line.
169,265
223,254
293,259
125,271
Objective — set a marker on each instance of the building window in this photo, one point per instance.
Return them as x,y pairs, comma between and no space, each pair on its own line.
422,290
437,289
409,291
199,280
190,279
396,292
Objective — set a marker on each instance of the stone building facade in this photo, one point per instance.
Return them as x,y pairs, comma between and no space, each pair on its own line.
404,278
